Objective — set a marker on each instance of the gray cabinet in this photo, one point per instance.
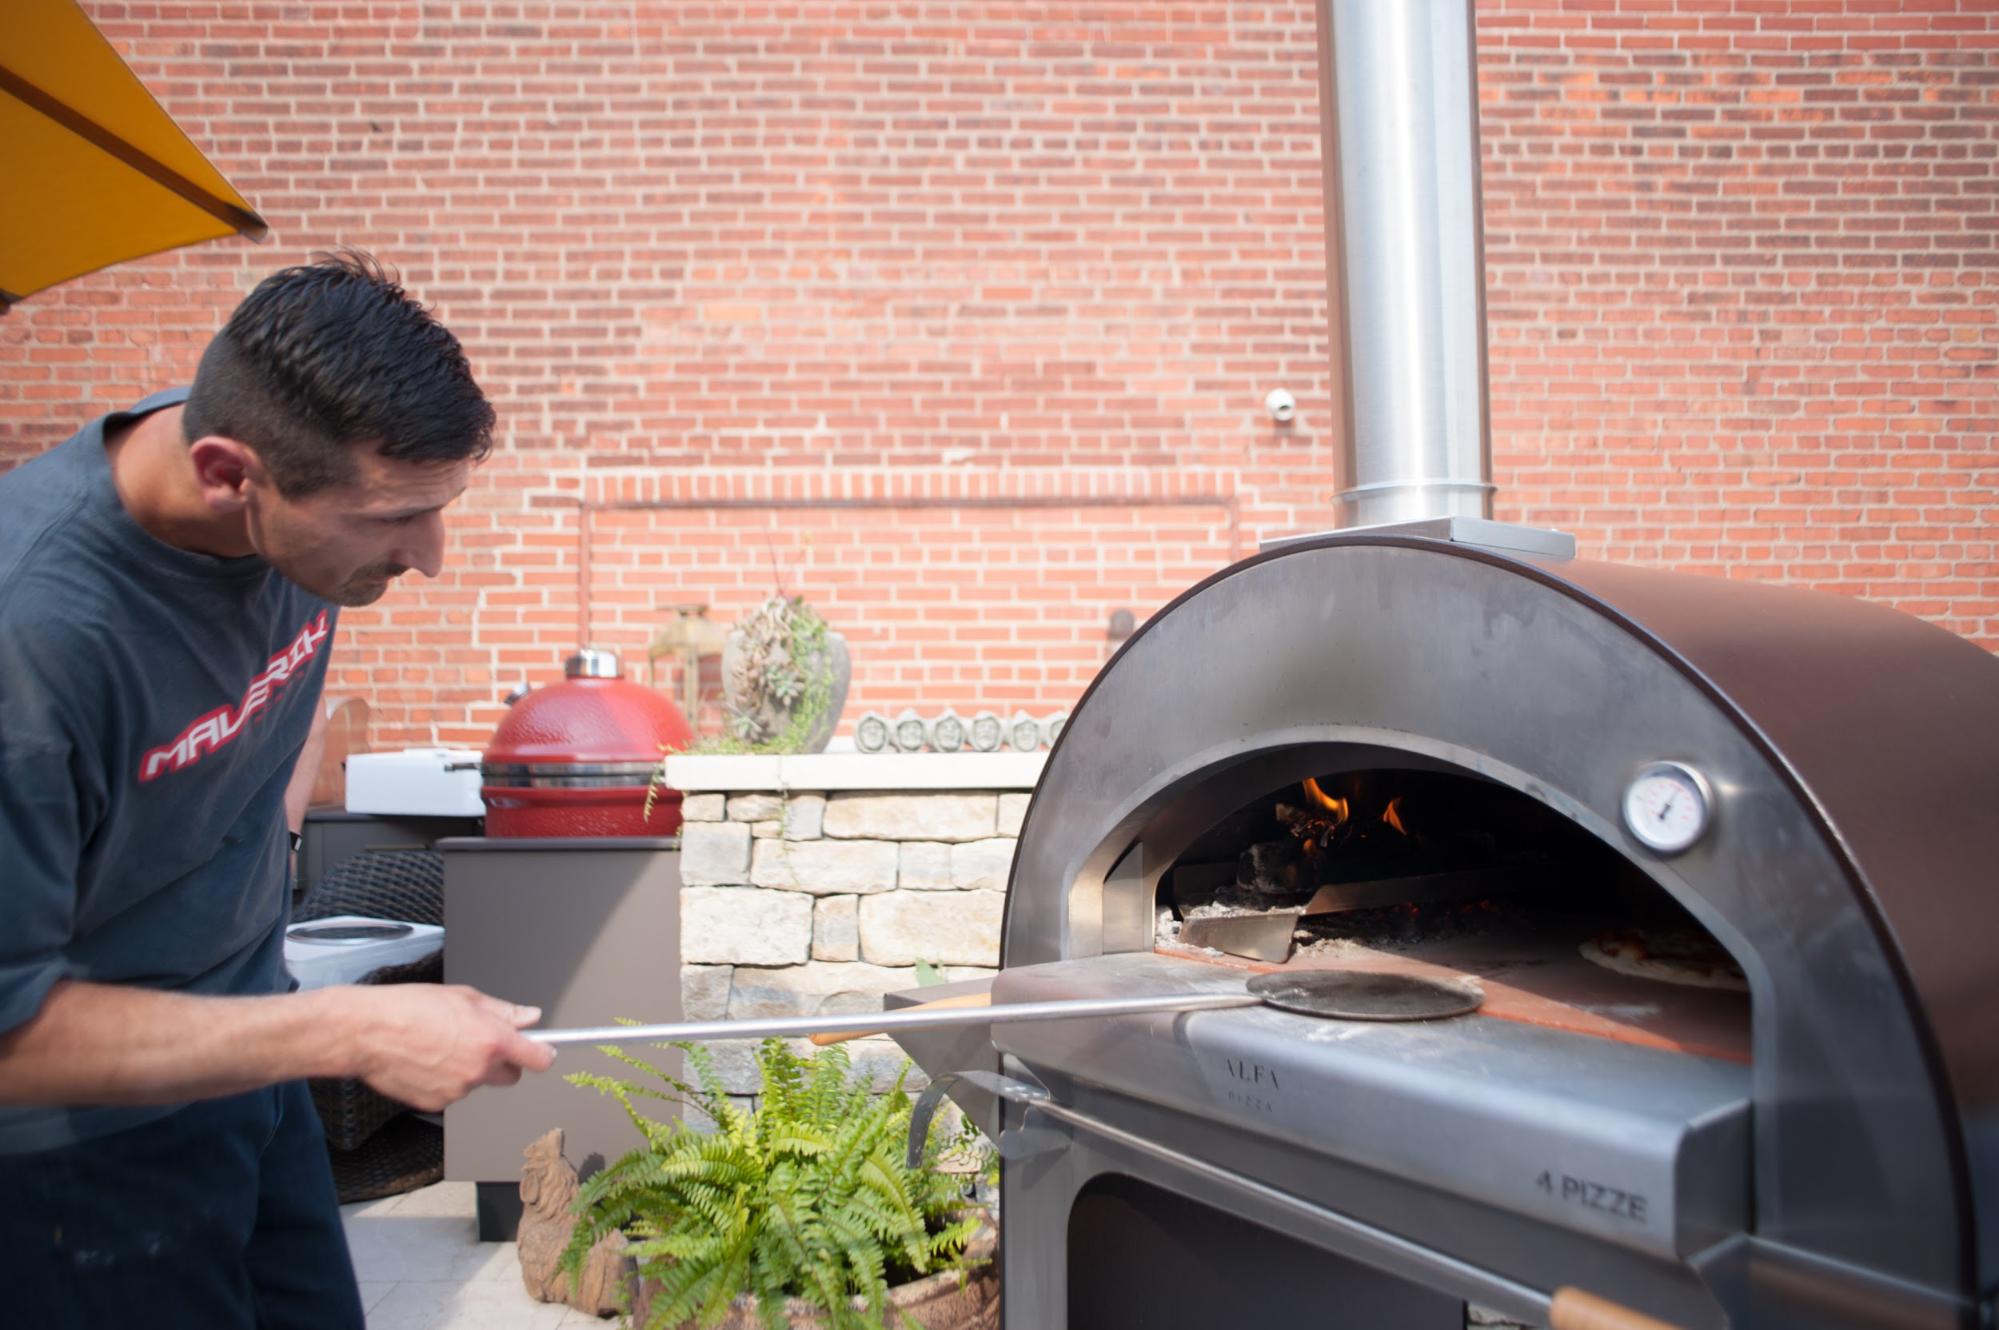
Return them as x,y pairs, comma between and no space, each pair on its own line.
331,835
589,931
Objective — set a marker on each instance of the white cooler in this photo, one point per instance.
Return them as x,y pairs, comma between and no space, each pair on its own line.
343,947
416,782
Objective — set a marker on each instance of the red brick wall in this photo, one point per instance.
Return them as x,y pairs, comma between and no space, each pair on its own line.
1743,264
958,318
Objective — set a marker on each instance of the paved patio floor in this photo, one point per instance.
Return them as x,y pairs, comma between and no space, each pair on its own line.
422,1267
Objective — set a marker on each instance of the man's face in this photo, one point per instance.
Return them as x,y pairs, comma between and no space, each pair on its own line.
346,543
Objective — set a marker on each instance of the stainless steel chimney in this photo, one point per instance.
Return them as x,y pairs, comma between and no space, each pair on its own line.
1405,262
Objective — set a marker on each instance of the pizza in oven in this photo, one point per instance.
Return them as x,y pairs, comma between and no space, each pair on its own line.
1670,955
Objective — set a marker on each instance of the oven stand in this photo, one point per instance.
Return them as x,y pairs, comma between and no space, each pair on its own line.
1056,1153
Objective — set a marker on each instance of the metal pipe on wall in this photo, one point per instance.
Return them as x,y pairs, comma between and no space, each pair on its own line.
1405,258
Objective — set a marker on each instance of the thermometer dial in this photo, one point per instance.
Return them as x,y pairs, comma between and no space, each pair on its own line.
1668,807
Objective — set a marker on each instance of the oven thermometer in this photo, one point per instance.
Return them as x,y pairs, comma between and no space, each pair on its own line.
1668,806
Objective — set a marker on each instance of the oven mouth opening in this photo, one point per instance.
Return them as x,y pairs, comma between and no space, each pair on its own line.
1446,874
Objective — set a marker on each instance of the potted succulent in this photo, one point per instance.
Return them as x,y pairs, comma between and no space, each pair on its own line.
784,677
799,1213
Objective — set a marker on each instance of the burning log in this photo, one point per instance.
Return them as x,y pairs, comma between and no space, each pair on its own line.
1274,868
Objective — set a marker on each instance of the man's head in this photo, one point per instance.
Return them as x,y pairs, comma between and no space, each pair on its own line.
339,418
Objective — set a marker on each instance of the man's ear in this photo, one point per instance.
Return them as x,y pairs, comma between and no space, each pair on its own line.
225,469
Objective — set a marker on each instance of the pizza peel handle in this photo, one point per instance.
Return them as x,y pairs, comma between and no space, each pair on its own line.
964,1000
1573,1309
940,1015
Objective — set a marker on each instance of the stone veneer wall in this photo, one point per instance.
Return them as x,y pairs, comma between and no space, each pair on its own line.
800,903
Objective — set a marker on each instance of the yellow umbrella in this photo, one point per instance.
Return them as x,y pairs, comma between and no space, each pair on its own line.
96,172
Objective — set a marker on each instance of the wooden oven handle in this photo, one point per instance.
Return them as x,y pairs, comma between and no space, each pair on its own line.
964,1000
1573,1309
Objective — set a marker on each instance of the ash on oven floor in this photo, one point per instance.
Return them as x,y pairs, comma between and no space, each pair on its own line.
1393,927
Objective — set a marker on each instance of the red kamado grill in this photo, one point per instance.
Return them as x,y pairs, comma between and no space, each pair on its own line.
1719,860
576,758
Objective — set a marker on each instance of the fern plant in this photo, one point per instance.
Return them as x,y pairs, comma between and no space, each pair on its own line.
807,1196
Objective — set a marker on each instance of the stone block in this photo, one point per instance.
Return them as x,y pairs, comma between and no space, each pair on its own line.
813,988
925,866
754,807
1012,812
714,854
982,865
700,1121
880,1059
836,928
735,1066
744,926
944,928
768,829
704,991
701,807
824,867
946,817
804,816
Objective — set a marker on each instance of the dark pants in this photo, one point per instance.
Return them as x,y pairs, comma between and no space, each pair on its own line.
220,1216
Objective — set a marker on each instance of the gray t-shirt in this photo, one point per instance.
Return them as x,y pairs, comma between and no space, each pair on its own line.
153,702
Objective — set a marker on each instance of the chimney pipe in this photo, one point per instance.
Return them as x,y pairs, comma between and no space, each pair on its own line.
1405,260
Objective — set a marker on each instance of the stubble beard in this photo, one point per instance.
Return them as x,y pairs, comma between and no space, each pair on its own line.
367,585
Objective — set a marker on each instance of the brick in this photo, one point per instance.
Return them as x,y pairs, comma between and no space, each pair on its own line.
1717,231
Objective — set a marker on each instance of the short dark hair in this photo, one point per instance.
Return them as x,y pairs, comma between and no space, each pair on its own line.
322,357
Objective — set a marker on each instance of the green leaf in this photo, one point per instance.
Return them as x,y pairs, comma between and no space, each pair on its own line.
805,1197
927,975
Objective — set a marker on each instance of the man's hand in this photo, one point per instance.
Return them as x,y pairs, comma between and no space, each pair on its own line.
422,1044
428,1045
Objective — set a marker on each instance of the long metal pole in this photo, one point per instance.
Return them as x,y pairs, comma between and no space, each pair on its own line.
889,1021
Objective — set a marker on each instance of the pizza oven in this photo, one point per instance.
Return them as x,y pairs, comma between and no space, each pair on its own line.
1676,893
1707,851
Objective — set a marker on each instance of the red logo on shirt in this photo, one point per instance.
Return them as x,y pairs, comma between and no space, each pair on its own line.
221,726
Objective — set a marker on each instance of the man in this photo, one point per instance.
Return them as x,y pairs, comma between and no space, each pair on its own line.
169,583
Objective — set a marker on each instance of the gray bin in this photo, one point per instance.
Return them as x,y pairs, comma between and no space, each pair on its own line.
588,929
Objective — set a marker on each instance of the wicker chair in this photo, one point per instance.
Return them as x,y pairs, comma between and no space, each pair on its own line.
406,885
383,884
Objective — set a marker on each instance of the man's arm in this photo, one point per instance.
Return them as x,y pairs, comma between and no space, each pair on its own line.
64,1041
305,770
426,1045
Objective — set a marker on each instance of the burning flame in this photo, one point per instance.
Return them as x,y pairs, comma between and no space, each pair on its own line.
1336,806
1392,817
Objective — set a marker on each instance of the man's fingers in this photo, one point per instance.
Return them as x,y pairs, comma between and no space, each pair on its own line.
525,1052
513,1013
504,1074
